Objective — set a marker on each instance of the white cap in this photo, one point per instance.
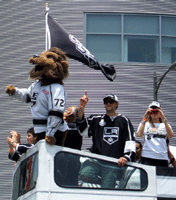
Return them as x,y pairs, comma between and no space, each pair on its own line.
111,96
154,103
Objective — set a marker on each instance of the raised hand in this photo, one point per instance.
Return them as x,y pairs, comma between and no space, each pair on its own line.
10,89
147,114
161,114
84,100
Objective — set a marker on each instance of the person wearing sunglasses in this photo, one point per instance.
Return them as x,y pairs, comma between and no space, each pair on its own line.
155,129
112,133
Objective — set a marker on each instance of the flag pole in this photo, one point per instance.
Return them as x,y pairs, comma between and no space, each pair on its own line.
46,31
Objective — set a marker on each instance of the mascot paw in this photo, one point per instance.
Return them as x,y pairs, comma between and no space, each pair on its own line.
10,89
50,140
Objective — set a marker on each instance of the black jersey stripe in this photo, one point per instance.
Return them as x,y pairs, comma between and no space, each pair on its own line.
28,98
51,96
55,113
39,121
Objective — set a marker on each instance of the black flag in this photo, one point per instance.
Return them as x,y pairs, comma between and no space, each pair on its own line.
59,37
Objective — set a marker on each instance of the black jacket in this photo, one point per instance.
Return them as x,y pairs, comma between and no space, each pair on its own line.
21,148
110,137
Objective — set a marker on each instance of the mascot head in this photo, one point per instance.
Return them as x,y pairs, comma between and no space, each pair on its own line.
50,67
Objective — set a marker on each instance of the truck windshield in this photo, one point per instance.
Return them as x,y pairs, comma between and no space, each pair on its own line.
71,170
25,177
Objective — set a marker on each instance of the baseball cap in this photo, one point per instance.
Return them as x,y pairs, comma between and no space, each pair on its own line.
154,103
111,96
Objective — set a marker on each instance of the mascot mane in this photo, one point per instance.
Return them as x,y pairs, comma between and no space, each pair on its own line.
50,67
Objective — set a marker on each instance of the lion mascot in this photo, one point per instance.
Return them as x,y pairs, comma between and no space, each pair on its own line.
46,94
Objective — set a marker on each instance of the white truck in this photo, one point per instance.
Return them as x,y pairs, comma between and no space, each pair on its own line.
52,172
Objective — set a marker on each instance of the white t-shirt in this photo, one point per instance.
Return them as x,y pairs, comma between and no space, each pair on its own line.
155,147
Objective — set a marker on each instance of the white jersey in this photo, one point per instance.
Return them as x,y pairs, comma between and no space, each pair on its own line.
155,146
47,106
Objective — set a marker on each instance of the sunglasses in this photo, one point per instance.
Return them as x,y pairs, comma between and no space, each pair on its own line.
109,101
154,112
137,148
154,107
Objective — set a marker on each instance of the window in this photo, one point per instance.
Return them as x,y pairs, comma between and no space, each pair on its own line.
141,49
25,177
104,38
71,170
114,37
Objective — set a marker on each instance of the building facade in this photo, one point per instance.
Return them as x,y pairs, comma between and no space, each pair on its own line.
138,37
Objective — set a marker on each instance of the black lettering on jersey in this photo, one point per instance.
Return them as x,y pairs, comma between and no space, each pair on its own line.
59,101
111,134
34,99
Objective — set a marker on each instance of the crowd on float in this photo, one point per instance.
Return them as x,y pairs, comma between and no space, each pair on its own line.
112,134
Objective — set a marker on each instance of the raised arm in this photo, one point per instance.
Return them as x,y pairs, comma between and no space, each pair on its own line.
168,127
140,131
20,94
83,102
81,121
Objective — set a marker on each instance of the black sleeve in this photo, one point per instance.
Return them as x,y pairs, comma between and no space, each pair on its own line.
81,124
130,144
90,120
22,148
15,156
28,99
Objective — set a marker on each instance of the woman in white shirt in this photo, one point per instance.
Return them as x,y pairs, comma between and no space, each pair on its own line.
155,129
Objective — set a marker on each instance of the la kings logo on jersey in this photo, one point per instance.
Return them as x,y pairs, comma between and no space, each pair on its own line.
34,99
111,134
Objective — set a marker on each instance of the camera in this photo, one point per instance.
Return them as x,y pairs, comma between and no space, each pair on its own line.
154,111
